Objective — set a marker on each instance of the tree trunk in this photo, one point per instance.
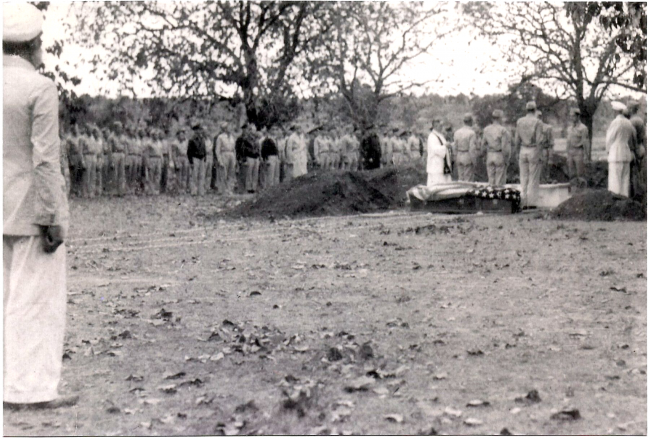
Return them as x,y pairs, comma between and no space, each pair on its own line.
589,122
588,109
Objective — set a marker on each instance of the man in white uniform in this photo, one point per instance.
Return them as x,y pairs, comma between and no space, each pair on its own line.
437,157
35,214
619,141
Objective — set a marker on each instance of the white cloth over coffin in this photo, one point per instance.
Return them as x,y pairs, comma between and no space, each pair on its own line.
444,191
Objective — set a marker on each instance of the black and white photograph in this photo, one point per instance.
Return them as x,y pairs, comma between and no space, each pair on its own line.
324,218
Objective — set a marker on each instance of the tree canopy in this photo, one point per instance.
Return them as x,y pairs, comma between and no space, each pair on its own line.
366,49
218,50
560,46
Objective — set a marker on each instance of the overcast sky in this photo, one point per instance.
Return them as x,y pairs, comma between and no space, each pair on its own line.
460,59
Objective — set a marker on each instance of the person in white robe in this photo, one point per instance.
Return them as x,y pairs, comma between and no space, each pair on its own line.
620,140
436,157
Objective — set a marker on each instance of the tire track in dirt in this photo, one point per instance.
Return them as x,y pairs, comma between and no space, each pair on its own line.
333,227
237,226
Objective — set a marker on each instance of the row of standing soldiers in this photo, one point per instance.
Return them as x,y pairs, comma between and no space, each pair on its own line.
132,160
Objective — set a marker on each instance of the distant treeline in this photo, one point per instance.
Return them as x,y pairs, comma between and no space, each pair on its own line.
406,111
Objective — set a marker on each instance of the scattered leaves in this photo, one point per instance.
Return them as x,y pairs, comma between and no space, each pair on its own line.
395,418
478,403
566,415
531,397
453,412
361,384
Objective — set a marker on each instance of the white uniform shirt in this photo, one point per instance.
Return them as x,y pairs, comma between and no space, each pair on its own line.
33,186
620,138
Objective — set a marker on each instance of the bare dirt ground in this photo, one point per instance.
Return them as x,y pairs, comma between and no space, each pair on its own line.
395,323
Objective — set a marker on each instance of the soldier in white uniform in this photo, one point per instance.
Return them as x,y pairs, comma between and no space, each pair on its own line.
620,141
35,216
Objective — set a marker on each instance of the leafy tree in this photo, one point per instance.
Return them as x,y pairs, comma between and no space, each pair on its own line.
365,48
629,20
559,47
237,51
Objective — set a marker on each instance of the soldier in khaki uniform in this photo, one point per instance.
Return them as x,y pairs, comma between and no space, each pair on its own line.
638,165
168,175
548,144
109,184
226,160
498,143
529,138
153,159
322,150
118,143
292,153
335,150
101,160
209,160
350,150
65,162
355,155
386,150
413,146
76,158
577,143
465,149
181,163
89,148
396,148
166,172
133,147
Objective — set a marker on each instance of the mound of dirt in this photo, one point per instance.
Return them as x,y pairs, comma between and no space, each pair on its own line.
323,193
600,205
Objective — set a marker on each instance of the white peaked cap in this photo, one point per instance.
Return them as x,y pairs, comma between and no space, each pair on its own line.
619,106
21,22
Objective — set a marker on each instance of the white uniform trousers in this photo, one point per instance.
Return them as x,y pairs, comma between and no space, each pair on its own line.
35,299
618,178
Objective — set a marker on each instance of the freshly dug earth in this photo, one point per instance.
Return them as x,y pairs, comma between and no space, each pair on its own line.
600,205
326,193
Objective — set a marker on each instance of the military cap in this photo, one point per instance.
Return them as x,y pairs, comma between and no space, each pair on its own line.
117,124
619,106
575,111
530,106
467,117
21,22
196,126
497,113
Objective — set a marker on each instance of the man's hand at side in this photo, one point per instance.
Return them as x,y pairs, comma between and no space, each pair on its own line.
52,238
